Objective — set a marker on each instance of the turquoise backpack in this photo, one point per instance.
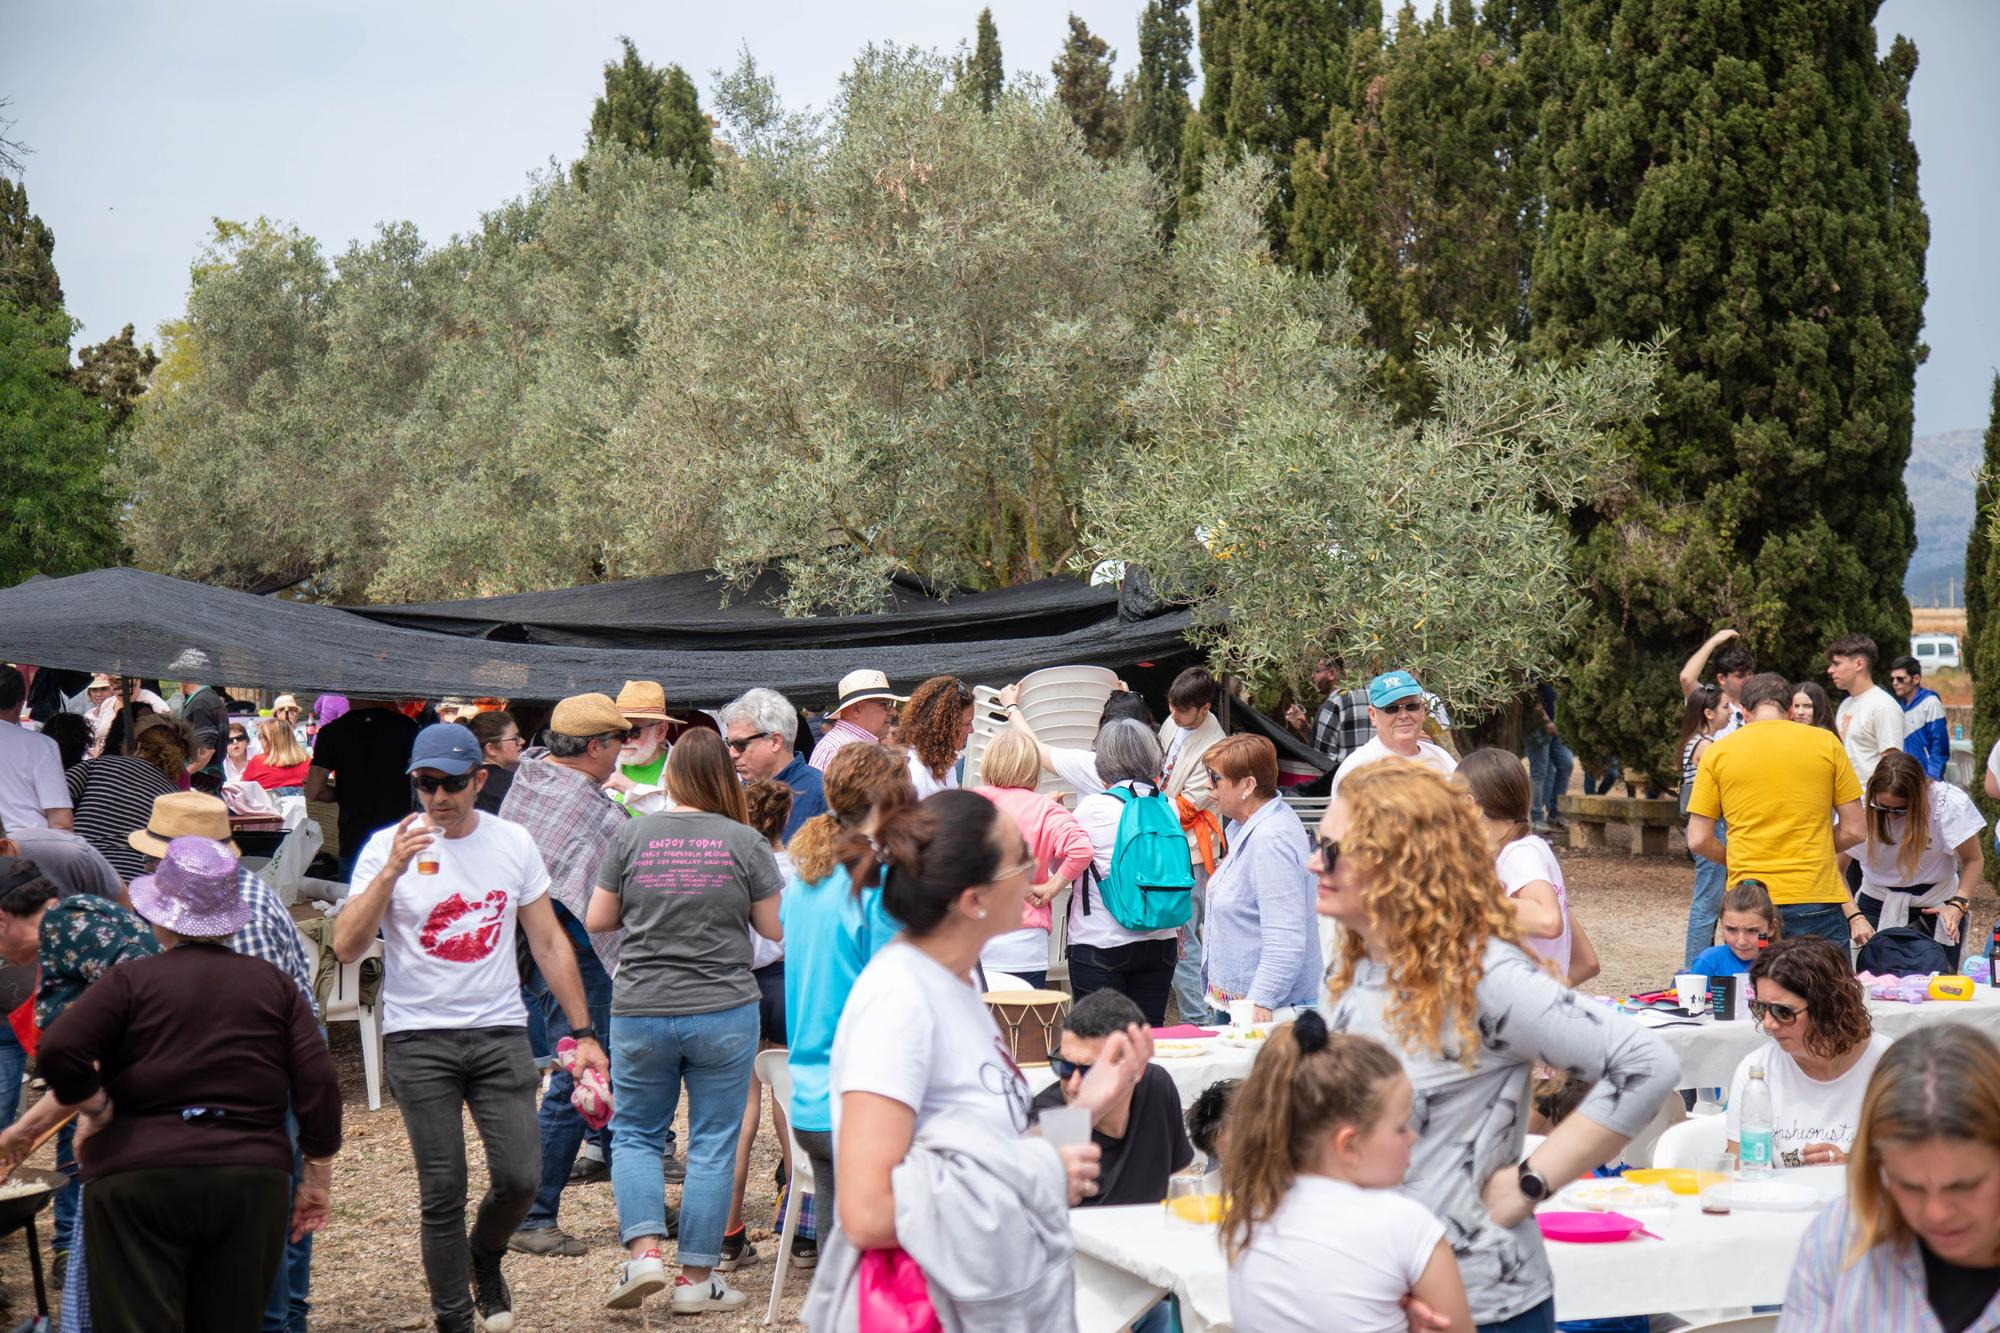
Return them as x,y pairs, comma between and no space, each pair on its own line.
1151,883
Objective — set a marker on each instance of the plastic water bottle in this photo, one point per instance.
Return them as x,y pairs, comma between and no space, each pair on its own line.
1753,1125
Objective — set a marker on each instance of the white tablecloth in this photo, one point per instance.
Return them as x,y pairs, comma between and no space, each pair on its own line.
1126,1257
1215,1061
1710,1052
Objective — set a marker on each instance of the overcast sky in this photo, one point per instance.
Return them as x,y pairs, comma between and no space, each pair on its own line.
148,120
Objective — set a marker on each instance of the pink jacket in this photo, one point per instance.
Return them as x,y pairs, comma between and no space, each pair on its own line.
1056,842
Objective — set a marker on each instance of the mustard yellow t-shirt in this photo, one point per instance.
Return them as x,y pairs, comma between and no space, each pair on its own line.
1776,783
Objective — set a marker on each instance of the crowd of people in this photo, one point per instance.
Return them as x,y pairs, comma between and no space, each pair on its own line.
613,899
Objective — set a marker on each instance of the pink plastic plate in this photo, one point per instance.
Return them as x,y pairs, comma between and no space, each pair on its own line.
1588,1228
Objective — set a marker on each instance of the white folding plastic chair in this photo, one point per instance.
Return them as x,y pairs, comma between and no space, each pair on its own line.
344,1005
1685,1144
775,1072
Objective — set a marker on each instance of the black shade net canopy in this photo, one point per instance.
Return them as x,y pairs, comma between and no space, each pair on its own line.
543,646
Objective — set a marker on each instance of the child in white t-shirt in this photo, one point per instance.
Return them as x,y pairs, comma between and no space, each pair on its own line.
1317,1233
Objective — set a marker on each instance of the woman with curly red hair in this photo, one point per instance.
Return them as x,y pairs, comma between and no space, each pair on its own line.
1433,965
934,726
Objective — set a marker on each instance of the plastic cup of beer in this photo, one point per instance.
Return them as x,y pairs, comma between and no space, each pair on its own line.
1716,1175
427,859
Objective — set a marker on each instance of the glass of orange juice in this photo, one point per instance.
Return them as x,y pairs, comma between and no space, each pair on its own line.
1192,1201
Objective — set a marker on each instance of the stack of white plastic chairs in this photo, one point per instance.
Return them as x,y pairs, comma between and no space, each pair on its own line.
1062,704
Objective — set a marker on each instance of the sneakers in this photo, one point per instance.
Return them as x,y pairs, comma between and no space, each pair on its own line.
737,1252
700,1297
548,1240
805,1251
490,1295
637,1279
673,1169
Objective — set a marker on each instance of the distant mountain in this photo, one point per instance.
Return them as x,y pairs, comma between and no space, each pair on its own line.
1940,477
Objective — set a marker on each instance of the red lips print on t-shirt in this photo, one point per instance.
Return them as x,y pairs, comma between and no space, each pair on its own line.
461,932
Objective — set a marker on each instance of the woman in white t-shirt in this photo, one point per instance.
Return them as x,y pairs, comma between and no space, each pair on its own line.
915,1039
1921,859
1526,864
934,725
1318,1235
1821,1051
1104,955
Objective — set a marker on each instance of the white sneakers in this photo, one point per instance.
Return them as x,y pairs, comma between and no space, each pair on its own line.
641,1277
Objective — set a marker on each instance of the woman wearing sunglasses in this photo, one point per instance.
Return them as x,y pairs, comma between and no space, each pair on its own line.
1821,1052
1434,966
1921,860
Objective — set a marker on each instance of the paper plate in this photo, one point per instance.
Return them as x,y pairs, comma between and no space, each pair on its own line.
1587,1228
1681,1180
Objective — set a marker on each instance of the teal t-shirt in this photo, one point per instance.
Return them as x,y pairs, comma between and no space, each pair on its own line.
829,937
1718,961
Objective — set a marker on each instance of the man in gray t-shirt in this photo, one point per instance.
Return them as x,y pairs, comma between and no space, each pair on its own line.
685,880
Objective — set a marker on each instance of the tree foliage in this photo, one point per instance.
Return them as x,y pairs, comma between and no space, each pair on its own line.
655,112
1160,106
56,446
987,74
27,253
116,372
1749,183
1982,577
1301,517
1083,85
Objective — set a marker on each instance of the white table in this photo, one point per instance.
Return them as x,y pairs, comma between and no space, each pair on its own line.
1192,1073
1710,1051
1128,1258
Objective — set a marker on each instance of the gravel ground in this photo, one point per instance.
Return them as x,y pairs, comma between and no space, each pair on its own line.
367,1273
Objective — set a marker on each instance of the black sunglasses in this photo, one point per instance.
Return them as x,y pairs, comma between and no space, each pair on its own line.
1062,1068
459,783
742,743
1402,706
1889,809
1784,1013
1328,850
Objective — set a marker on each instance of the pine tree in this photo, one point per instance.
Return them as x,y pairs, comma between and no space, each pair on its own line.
1083,86
1982,628
1160,104
655,111
1427,186
988,73
115,372
1746,180
27,252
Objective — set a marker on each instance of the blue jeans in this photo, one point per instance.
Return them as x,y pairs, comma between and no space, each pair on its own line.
288,1307
1614,773
1541,1319
1710,879
651,1055
1189,994
1549,766
1826,920
69,1199
13,1060
562,1129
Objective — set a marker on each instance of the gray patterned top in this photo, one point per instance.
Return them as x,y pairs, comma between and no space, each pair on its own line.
1470,1122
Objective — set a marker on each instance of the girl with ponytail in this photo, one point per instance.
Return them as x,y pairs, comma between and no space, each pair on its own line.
1317,1234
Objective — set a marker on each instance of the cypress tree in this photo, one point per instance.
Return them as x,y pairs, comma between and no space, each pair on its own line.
1982,628
989,74
1744,178
655,111
27,253
1083,86
1160,98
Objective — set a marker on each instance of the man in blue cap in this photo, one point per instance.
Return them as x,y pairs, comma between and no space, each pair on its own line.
1397,710
449,890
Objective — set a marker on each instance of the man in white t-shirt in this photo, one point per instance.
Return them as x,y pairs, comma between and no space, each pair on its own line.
1397,708
448,893
1869,719
32,791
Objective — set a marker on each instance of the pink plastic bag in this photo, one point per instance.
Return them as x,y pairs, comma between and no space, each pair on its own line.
591,1096
894,1296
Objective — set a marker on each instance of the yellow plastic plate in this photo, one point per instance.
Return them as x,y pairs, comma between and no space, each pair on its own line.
1681,1180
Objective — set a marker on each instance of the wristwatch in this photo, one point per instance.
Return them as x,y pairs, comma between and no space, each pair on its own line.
1534,1185
584,1033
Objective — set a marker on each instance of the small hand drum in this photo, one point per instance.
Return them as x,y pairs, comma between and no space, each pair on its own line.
1030,1022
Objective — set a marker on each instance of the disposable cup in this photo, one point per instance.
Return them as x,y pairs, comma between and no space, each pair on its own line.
1066,1126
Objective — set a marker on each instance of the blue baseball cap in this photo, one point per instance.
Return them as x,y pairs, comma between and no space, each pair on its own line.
446,747
1390,686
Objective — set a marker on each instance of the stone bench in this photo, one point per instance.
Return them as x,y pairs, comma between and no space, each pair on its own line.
1650,820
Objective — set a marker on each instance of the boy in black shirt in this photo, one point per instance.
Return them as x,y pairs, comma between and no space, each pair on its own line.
1142,1140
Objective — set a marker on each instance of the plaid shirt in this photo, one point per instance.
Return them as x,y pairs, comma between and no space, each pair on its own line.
838,737
572,822
1342,726
271,934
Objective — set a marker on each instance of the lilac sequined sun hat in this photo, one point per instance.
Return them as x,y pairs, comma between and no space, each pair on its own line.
193,892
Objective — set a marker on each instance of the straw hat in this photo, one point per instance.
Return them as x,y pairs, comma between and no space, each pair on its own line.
587,715
645,701
182,814
284,701
194,891
860,686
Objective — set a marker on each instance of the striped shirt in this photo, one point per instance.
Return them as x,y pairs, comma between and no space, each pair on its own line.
1884,1291
838,737
113,796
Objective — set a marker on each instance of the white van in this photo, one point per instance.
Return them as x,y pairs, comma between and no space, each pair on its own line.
1935,650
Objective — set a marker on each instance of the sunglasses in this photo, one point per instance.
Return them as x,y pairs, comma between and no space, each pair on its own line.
1889,809
1063,1069
1785,1014
742,743
1327,849
429,785
1403,706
